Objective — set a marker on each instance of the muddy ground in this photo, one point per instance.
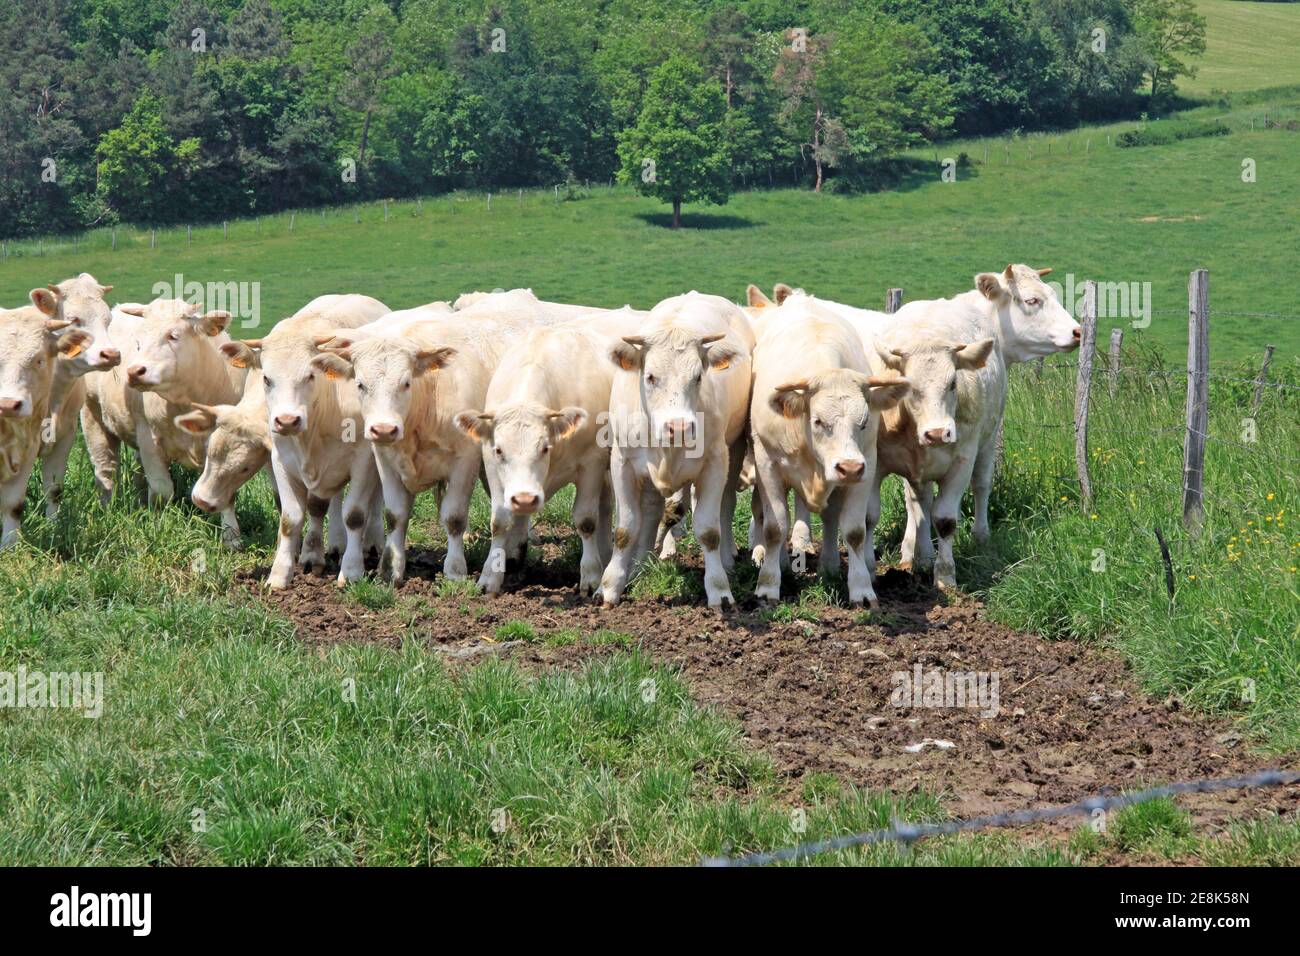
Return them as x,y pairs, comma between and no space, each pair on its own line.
815,694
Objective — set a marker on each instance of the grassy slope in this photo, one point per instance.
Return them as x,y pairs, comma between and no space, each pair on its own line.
1249,46
1130,215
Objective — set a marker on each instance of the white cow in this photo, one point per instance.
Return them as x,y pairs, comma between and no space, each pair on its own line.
814,417
79,302
317,448
678,411
30,346
541,430
413,375
170,360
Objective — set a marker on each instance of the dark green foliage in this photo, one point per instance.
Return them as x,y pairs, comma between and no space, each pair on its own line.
1163,132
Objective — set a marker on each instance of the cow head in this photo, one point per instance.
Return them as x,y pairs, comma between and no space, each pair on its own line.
385,370
1031,320
30,344
238,446
521,442
80,302
835,409
933,369
169,339
671,366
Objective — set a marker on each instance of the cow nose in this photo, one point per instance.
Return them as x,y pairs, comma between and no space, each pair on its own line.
850,470
287,423
523,502
135,371
937,436
678,428
110,357
382,432
1078,334
9,406
202,503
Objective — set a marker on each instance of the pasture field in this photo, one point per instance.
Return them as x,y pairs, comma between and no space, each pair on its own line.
429,724
1249,46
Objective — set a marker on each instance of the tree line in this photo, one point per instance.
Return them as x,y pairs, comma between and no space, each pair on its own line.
187,110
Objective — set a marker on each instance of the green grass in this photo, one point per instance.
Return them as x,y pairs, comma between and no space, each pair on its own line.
1248,46
1133,215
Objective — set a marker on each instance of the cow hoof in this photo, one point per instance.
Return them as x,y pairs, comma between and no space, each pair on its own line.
769,594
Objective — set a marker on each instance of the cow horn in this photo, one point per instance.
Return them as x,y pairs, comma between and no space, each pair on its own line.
1043,272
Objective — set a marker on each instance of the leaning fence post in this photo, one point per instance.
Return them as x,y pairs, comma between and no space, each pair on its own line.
893,300
1087,345
1259,382
1113,359
1198,395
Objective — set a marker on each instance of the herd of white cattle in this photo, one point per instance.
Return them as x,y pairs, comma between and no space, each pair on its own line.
356,409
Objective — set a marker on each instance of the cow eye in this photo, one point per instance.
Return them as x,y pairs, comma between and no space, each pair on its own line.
360,387
500,454
545,449
267,383
952,386
1034,301
651,380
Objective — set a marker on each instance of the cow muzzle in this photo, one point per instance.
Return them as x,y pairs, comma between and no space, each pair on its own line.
385,433
525,503
12,407
136,377
108,358
203,504
287,424
849,469
943,435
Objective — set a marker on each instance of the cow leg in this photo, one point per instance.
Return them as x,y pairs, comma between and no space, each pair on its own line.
672,528
605,517
293,510
334,533
312,556
373,536
981,485
586,513
154,465
13,493
358,508
776,525
231,536
829,561
872,519
801,530
709,490
104,450
735,462
918,544
755,541
853,505
53,467
397,504
455,513
493,575
947,508
626,536
517,539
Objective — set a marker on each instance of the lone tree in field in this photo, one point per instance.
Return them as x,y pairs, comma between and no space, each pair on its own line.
1168,31
677,151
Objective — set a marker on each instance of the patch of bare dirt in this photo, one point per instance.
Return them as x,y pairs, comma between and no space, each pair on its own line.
816,694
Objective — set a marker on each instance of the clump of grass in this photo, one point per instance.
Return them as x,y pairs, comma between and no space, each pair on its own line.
371,594
456,587
666,580
603,638
1159,825
516,631
565,637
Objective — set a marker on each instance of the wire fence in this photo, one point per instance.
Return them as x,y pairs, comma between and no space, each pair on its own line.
909,833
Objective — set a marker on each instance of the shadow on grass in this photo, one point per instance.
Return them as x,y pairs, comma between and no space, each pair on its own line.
698,220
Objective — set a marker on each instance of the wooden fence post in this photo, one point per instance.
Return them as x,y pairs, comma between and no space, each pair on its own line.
1259,382
115,238
293,217
189,235
1087,346
153,238
1113,359
385,210
225,230
893,300
1198,396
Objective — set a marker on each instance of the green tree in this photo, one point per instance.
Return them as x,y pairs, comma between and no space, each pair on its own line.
1169,31
136,161
677,151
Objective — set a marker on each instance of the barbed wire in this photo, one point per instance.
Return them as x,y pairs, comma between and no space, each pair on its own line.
1101,372
909,833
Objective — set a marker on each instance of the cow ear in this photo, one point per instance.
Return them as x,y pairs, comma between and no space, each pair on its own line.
754,296
200,421
791,398
781,292
335,341
213,323
882,393
566,421
990,286
477,425
46,300
720,357
428,360
627,353
241,354
133,308
335,365
73,342
892,358
974,355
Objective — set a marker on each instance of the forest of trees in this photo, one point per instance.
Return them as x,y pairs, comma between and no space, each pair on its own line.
192,110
